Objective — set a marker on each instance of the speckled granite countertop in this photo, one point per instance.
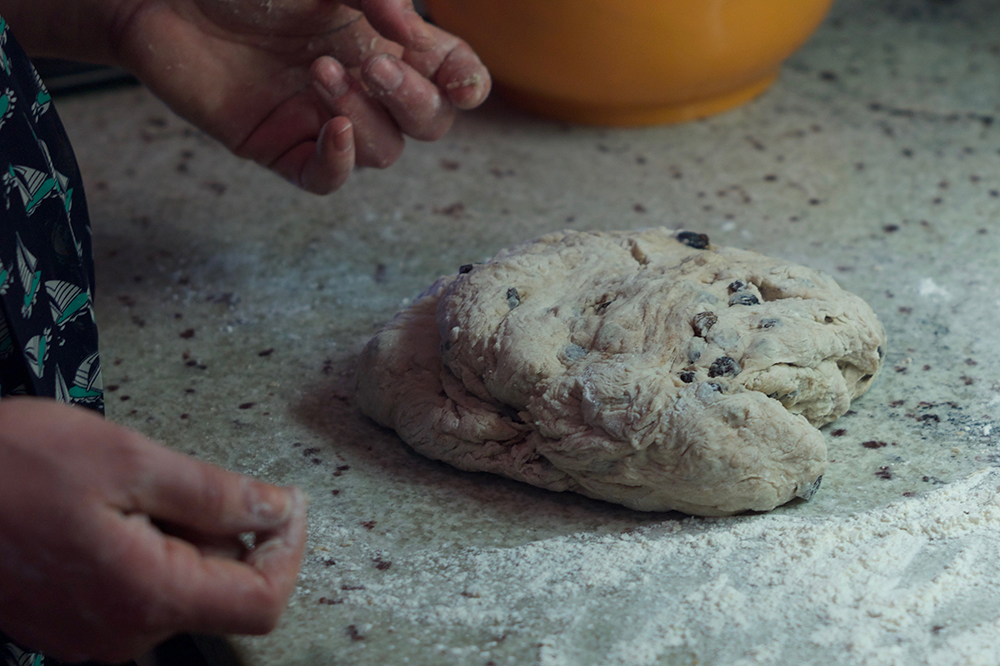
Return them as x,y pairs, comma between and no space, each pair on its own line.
232,309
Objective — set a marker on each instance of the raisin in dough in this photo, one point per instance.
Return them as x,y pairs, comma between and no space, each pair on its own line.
647,368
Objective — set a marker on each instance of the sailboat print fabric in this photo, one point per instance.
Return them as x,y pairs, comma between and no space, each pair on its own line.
48,336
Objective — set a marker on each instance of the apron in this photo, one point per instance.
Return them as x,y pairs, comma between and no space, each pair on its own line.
48,336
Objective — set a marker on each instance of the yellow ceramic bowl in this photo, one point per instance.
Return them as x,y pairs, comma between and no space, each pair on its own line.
631,62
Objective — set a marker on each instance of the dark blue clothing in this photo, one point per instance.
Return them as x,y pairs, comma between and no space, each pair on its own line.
48,336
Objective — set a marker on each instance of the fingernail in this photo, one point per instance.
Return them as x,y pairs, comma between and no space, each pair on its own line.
343,140
330,80
384,73
272,508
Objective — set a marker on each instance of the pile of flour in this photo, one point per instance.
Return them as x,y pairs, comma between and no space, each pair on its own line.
914,582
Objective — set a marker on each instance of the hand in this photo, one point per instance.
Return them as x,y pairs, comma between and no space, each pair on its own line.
308,88
86,572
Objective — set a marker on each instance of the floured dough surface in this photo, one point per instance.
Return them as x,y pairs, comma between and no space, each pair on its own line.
647,368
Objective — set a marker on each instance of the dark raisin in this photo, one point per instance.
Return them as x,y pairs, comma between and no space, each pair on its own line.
828,319
736,286
702,322
743,298
715,387
687,377
465,268
724,366
768,323
513,298
693,240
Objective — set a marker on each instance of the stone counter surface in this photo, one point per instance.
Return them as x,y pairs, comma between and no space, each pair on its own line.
233,307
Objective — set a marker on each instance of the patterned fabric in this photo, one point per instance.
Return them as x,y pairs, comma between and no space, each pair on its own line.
48,337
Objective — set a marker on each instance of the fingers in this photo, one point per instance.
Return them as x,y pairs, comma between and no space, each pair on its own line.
332,160
455,68
397,21
191,494
378,140
185,590
415,104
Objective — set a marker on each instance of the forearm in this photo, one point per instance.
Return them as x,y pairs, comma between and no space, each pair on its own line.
74,29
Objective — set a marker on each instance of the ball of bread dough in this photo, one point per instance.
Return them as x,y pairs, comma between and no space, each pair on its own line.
648,368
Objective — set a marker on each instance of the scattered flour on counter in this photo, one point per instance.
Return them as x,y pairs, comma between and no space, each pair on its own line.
928,287
914,582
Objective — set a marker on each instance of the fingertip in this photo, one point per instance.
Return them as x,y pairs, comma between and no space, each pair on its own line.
469,91
329,78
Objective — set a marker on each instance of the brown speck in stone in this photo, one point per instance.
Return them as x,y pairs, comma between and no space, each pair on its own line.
937,200
380,273
124,398
334,492
874,444
215,187
368,524
974,178
330,602
347,588
247,405
343,468
382,565
138,321
906,152
640,159
757,145
970,362
455,210
450,165
903,309
909,493
266,352
312,450
929,417
845,269
126,300
827,75
897,403
944,184
936,629
639,208
187,334
967,380
111,388
890,228
770,178
184,416
316,461
901,369
926,367
815,202
884,472
859,166
353,632
189,390
839,432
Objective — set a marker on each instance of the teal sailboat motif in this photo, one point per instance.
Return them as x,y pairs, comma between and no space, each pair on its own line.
88,384
66,301
35,185
7,101
43,100
36,351
4,279
4,58
31,278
